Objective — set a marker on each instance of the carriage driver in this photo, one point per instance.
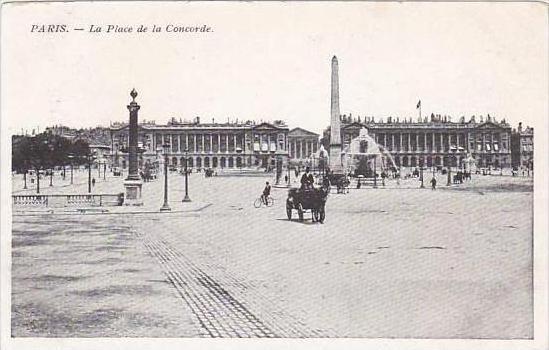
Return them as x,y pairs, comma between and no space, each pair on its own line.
266,192
307,180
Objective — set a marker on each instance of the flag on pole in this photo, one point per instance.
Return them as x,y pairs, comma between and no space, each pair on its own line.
418,104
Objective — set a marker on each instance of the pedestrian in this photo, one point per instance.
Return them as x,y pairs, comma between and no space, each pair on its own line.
286,178
93,182
433,183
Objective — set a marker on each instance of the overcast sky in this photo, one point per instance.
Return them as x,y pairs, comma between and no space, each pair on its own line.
272,61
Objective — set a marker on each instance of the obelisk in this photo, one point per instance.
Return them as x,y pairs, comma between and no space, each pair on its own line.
335,123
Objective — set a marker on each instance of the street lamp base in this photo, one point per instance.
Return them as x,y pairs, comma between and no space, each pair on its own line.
186,199
165,207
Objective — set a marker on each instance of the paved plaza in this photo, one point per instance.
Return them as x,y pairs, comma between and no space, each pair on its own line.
397,261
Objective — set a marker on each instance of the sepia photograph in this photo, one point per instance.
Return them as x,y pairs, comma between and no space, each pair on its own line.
342,174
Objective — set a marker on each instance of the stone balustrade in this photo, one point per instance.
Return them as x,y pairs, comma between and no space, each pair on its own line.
68,200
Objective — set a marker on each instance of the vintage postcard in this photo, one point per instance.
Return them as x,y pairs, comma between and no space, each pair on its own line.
300,174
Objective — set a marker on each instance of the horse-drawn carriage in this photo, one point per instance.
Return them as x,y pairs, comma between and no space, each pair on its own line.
313,199
341,182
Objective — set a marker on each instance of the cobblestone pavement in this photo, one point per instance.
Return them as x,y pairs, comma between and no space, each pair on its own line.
455,262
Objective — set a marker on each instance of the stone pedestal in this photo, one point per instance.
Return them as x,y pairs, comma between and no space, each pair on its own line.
133,192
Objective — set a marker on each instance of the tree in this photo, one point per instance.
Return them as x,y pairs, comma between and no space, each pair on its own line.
79,149
45,151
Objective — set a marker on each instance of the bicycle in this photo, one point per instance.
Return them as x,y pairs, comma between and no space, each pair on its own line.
260,201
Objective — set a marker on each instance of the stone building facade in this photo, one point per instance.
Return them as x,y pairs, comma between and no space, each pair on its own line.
437,141
301,145
208,145
523,147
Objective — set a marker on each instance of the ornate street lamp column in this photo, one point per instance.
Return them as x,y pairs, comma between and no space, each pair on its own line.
165,206
375,172
133,182
25,178
90,162
38,180
187,198
421,174
71,157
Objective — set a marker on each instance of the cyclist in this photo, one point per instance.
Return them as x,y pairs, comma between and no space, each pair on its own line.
266,192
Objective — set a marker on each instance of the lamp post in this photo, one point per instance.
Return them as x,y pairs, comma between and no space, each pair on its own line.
38,179
449,182
186,198
421,173
25,175
91,158
165,206
271,157
239,152
375,172
35,150
71,157
50,147
289,173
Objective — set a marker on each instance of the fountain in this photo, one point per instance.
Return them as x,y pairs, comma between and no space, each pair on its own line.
364,149
469,163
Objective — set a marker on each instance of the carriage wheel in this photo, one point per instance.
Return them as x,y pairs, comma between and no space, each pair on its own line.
289,212
300,211
257,202
322,214
270,201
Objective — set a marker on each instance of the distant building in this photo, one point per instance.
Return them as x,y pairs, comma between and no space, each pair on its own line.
101,152
436,141
209,145
522,141
63,131
97,135
301,145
